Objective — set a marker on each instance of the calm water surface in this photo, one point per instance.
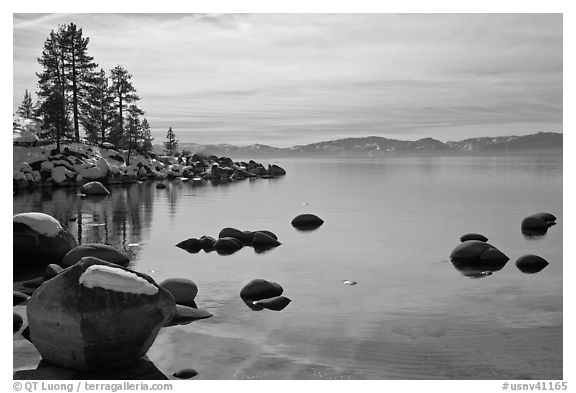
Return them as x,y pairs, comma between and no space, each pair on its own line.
390,225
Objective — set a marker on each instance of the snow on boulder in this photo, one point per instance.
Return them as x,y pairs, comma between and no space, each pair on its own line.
94,188
115,279
39,239
96,315
39,222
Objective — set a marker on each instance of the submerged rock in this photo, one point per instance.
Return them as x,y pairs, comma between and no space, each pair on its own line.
97,315
185,315
207,243
531,263
259,289
39,239
537,224
185,373
227,245
183,290
278,303
263,240
244,236
94,188
473,236
191,245
96,250
307,222
476,259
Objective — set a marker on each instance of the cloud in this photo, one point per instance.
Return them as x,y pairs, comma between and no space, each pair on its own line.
298,78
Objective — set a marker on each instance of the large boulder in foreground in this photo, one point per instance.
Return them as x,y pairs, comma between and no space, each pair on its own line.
94,188
96,250
307,222
531,263
97,315
39,239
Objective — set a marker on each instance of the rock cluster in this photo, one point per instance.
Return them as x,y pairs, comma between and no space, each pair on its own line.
231,240
76,166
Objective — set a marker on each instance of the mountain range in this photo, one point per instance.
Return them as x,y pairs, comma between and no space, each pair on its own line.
374,146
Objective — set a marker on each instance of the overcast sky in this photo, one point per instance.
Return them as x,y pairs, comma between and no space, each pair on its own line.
287,79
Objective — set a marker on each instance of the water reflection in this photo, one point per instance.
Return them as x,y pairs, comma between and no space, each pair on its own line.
117,220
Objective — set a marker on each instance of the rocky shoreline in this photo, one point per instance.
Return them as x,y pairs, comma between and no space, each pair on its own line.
77,164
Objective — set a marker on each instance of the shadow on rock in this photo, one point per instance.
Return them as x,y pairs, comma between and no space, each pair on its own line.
477,270
141,370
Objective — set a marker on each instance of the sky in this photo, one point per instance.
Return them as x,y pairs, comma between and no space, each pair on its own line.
292,79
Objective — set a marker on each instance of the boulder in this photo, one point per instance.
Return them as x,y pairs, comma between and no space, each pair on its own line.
259,289
94,188
531,263
534,223
18,322
61,176
271,234
101,251
185,373
307,221
476,259
207,243
548,217
39,239
275,170
52,271
473,236
227,245
478,251
19,297
263,240
97,315
185,315
277,303
245,237
191,245
183,290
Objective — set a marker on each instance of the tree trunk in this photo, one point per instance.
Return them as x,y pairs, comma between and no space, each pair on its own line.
75,96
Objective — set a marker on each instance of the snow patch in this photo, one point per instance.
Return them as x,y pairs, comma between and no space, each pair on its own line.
116,279
39,222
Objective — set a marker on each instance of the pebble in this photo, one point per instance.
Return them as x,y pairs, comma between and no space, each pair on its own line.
185,373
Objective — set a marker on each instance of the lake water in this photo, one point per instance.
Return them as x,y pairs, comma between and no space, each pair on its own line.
390,225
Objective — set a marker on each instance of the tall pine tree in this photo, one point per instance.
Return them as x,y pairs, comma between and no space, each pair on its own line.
124,93
79,71
97,109
26,109
171,144
52,88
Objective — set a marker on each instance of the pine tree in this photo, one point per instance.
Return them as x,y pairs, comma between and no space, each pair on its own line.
79,71
97,110
26,109
123,93
52,88
146,137
133,129
171,144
